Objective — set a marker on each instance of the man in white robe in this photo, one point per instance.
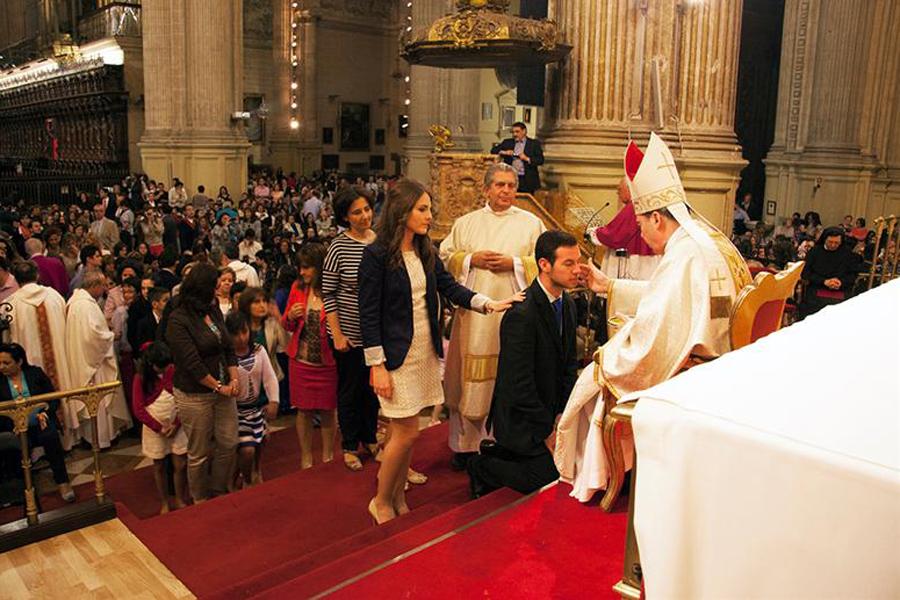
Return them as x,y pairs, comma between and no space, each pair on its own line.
38,325
680,315
91,358
491,251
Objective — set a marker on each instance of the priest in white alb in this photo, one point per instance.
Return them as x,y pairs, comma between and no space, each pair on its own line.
38,325
681,315
491,251
92,360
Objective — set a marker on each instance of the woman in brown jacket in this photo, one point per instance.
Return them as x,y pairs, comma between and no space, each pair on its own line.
205,382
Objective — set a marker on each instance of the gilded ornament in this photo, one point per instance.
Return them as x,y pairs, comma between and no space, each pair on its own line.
441,135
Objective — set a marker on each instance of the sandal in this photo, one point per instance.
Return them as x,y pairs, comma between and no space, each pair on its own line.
352,462
415,477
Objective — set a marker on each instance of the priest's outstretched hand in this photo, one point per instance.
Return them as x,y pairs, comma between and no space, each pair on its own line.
594,278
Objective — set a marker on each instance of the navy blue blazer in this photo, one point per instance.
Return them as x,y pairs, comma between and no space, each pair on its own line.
385,304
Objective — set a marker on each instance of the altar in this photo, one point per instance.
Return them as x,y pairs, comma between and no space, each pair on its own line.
774,471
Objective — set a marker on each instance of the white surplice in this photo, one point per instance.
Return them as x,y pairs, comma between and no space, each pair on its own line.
471,365
92,360
682,311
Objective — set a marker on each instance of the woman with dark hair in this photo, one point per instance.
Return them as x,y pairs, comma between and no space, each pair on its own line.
400,278
813,223
204,381
22,380
153,405
357,405
830,271
284,280
313,374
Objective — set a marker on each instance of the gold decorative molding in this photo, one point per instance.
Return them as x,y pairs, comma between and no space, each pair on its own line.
441,135
456,186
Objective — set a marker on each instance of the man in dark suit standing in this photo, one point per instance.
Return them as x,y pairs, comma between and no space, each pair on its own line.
536,371
525,154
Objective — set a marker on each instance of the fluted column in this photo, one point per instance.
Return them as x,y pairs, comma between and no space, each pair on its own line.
440,96
637,67
836,148
193,82
310,146
283,139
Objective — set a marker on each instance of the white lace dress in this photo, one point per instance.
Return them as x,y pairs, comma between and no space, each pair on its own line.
417,382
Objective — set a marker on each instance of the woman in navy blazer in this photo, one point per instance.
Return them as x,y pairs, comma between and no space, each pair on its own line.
400,278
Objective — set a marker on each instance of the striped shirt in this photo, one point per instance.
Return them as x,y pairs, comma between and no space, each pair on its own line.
340,284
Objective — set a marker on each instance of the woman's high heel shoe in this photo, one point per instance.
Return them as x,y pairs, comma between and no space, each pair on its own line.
373,512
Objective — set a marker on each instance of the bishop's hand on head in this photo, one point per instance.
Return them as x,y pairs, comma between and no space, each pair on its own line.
593,278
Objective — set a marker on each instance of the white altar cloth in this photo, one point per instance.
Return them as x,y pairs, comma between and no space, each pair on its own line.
774,471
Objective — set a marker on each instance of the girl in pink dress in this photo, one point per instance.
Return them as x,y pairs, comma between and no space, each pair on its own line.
313,372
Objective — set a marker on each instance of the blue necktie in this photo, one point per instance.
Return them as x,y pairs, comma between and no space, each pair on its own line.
558,312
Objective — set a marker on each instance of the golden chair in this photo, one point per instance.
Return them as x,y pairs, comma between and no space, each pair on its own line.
758,311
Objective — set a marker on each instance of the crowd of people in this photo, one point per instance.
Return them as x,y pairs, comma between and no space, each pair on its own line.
837,254
219,313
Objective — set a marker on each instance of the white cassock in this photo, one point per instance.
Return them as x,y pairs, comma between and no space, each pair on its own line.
38,325
92,360
471,364
681,312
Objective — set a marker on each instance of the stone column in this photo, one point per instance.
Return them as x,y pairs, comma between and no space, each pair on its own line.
639,66
283,141
440,96
837,129
193,82
310,146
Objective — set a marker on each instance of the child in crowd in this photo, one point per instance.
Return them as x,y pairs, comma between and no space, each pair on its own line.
313,371
255,372
162,436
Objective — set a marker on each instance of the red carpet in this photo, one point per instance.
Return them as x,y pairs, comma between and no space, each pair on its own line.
550,546
246,542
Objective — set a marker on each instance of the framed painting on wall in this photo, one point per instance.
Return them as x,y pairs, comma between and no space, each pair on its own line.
771,206
509,116
354,126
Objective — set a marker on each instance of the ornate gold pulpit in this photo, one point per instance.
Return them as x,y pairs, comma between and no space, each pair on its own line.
457,182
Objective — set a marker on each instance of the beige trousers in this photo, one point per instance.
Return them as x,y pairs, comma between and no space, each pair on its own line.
211,423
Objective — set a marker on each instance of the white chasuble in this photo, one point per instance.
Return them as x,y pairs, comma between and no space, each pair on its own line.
39,326
471,364
682,311
92,360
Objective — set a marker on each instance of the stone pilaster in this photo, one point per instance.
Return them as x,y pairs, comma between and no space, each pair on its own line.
310,147
668,67
837,131
284,140
193,82
440,96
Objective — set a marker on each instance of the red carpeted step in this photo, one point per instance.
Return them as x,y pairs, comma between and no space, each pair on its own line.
364,552
550,546
234,538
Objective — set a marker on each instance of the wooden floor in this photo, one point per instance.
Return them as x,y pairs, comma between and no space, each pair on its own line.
102,561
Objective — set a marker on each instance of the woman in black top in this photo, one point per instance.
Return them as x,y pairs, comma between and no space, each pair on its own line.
205,381
21,380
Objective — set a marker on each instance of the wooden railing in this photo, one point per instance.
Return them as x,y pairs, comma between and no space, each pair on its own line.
20,410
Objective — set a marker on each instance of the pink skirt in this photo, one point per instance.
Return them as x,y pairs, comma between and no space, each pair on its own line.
313,387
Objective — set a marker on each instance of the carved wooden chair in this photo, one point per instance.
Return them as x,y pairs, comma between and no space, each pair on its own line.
758,311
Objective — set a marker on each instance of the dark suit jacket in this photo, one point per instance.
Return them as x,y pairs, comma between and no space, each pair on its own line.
147,329
536,372
385,304
534,151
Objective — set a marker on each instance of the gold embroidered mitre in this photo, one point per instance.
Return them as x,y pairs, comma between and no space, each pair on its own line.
652,176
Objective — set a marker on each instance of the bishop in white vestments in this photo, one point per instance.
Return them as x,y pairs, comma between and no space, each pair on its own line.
681,314
491,251
92,360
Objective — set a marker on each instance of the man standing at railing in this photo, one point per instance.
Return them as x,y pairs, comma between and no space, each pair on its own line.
524,155
491,251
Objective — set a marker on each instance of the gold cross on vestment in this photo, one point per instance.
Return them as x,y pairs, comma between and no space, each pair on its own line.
669,167
718,278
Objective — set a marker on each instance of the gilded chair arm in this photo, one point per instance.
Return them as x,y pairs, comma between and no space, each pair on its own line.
619,416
